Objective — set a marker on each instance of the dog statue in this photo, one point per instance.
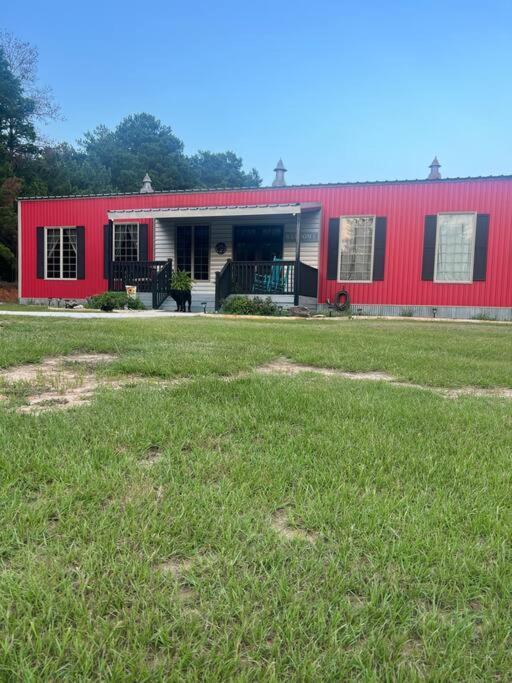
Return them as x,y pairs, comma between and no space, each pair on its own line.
182,298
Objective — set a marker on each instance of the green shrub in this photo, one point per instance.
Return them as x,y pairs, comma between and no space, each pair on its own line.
7,264
407,313
181,281
110,300
244,305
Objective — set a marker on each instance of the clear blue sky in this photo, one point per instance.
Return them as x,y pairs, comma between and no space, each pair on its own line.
341,90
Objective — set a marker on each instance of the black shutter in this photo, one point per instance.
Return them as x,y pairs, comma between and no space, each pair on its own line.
40,253
107,249
80,252
333,240
379,248
143,242
429,248
481,239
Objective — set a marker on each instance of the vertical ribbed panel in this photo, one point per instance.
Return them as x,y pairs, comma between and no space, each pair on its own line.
403,204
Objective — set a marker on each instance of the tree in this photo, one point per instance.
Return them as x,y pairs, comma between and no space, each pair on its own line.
222,169
139,144
22,59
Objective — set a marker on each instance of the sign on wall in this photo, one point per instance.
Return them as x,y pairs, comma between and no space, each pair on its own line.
305,236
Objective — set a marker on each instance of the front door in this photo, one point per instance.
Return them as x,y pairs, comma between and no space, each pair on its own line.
259,243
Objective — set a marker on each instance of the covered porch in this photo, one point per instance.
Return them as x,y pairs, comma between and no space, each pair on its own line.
256,250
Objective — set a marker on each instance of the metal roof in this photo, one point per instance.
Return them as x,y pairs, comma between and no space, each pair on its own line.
275,189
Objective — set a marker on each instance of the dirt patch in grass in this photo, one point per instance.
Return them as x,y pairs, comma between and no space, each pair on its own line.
283,366
177,567
151,457
55,383
282,527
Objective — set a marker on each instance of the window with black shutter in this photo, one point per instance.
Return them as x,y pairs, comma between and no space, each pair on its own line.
357,248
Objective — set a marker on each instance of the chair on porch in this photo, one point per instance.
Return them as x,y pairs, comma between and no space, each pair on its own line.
273,282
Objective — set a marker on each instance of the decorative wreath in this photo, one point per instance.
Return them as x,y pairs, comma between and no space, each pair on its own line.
342,300
220,248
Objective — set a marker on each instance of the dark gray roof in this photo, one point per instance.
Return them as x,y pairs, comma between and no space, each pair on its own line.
277,189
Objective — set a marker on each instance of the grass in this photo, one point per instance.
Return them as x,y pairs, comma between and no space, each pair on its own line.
406,574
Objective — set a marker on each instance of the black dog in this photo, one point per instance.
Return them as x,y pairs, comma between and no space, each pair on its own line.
182,298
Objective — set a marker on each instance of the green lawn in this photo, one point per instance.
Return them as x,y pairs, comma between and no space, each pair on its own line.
149,536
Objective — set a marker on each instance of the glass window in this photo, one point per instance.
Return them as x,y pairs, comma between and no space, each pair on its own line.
455,246
193,250
126,241
61,253
201,252
356,248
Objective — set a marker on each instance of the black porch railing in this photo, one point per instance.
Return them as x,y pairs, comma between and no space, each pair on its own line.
138,273
148,276
162,284
265,278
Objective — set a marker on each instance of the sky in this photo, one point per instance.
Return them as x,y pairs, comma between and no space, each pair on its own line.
342,91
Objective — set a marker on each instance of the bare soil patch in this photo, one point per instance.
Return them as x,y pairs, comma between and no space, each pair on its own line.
283,366
151,457
8,292
57,383
281,525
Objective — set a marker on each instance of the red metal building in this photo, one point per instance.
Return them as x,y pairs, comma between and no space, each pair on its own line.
415,245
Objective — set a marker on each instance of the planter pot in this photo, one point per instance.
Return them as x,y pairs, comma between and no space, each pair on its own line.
182,298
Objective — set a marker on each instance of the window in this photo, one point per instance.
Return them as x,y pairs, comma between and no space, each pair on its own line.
60,253
193,251
126,241
455,247
356,248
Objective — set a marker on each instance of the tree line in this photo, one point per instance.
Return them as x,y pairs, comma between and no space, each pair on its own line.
103,160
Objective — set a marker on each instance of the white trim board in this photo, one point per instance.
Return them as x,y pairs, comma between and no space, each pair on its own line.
199,212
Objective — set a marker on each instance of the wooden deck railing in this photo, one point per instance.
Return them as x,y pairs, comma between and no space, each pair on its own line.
265,278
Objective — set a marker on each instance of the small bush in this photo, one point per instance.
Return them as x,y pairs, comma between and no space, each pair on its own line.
407,313
483,316
110,300
243,305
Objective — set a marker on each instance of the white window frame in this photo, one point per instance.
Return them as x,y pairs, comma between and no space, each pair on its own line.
192,250
114,225
363,215
61,268
456,213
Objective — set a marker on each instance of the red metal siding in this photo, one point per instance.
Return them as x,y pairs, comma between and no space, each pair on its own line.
404,204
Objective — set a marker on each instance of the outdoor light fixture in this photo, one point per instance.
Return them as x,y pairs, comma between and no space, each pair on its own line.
359,311
204,304
434,311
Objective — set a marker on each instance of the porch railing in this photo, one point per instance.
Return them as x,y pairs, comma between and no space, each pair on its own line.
162,284
265,278
139,273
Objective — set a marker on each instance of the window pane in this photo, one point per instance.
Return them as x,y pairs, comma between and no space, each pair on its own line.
201,252
126,242
184,249
454,247
69,253
53,253
356,247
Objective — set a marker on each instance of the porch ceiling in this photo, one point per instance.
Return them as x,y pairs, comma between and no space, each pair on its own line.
215,211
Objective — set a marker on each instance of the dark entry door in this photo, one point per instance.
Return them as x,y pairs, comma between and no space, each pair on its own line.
260,243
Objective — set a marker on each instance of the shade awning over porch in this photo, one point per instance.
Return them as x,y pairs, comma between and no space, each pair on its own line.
201,212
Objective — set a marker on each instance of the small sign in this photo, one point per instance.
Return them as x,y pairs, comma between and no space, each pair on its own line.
305,236
309,236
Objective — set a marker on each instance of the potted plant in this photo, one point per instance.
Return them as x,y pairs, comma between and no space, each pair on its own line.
181,290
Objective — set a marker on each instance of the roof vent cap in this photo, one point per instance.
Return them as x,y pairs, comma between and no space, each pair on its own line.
146,185
279,170
434,170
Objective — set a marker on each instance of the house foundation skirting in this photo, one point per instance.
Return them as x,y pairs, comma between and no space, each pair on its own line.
449,312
